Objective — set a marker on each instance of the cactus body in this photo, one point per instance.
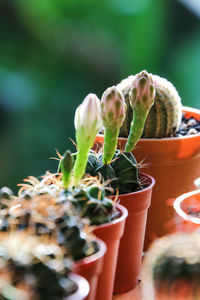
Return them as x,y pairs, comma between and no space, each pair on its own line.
123,171
164,117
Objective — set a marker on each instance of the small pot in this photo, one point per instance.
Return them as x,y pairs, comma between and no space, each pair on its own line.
132,242
186,206
174,163
90,267
111,234
82,288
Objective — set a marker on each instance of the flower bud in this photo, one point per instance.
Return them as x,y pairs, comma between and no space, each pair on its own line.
142,93
87,115
113,108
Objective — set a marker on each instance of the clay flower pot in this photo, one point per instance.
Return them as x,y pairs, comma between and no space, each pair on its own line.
90,268
132,242
175,164
187,207
82,288
111,234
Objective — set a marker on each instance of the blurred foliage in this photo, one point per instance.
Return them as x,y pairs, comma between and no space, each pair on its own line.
54,52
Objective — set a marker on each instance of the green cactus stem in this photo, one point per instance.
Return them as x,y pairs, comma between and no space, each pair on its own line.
66,166
141,95
113,110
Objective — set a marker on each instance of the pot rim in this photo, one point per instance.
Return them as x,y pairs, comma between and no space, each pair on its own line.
83,287
169,139
179,210
95,256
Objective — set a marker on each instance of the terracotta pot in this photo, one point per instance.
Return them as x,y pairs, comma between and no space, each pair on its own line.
90,267
111,234
132,242
82,288
186,206
175,164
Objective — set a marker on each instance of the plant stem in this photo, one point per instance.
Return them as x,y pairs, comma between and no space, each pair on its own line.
136,129
80,165
110,143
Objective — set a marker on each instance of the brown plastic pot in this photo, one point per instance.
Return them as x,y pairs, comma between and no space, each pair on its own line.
82,288
111,234
175,164
186,206
90,267
132,242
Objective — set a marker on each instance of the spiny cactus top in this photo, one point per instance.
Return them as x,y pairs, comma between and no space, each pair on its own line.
164,117
33,268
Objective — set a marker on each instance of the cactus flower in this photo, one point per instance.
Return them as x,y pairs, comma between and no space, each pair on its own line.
142,95
87,124
113,109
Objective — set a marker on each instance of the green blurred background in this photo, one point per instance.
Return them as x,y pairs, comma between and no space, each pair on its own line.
54,52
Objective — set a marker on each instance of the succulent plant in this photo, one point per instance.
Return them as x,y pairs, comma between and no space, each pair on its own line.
122,173
92,203
32,268
113,110
47,214
164,117
173,264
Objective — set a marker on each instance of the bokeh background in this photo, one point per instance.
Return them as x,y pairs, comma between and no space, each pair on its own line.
54,52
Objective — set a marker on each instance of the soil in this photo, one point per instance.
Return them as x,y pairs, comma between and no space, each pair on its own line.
189,126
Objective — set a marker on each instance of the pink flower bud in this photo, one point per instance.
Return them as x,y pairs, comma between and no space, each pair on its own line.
113,108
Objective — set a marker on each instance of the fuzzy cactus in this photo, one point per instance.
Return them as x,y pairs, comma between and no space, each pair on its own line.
164,117
113,110
87,124
31,268
172,266
141,95
122,173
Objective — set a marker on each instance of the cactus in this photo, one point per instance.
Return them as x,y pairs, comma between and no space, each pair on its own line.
87,124
164,117
113,113
32,268
174,261
92,203
122,172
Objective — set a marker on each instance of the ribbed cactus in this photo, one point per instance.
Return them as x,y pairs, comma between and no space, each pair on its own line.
122,173
164,117
92,203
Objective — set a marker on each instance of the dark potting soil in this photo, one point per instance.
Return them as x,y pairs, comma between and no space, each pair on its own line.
189,126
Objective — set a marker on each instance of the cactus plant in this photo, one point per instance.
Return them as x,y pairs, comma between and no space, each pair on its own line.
122,173
165,115
172,264
31,268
